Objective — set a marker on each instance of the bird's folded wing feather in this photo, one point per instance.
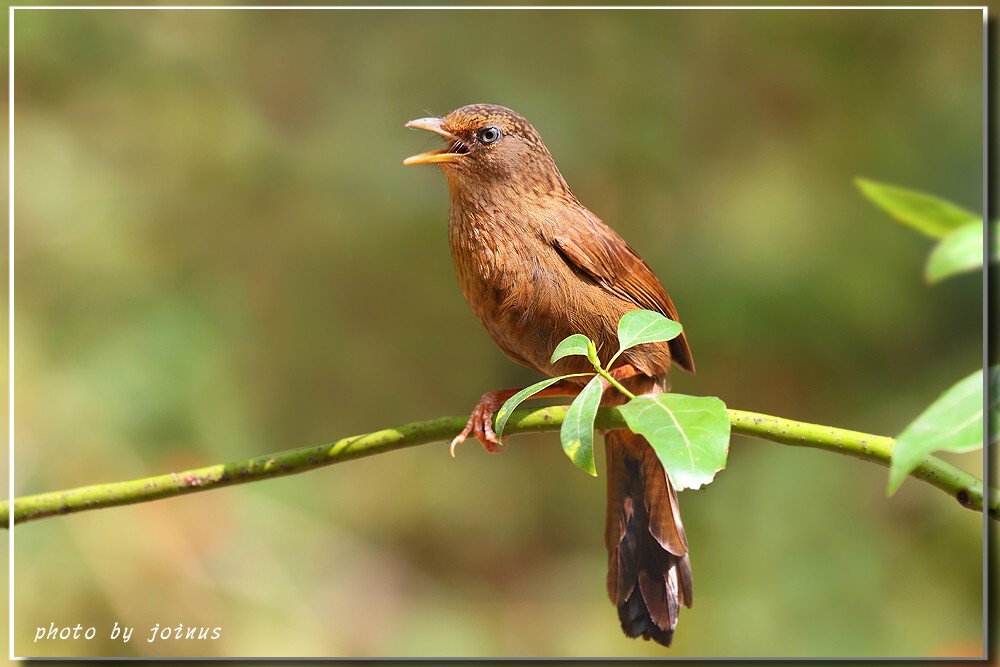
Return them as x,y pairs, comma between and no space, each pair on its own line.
596,250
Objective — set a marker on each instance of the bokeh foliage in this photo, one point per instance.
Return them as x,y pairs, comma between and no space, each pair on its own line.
219,254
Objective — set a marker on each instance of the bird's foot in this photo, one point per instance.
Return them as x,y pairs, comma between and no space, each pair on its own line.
480,424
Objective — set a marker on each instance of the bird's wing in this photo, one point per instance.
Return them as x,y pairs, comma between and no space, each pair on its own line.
595,250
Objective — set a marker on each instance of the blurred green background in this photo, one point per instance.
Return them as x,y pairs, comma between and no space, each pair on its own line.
219,255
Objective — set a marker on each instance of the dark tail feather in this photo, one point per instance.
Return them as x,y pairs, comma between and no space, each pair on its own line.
649,573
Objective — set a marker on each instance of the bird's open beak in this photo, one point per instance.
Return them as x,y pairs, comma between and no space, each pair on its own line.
455,150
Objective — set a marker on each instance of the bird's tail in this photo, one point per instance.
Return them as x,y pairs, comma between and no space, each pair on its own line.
649,574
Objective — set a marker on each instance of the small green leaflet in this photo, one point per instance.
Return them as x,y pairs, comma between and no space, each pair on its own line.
503,414
571,345
927,214
645,326
960,251
690,434
952,423
577,432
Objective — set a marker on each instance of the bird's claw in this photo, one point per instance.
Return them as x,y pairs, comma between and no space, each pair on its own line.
480,425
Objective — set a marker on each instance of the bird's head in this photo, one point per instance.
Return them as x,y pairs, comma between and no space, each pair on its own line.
487,143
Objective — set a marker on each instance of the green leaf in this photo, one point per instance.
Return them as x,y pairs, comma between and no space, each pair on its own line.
690,434
645,326
960,251
927,214
953,423
503,414
571,345
577,432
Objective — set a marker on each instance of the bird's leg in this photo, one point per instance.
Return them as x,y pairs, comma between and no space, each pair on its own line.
480,424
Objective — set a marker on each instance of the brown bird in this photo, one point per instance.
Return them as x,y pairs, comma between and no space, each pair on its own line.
536,266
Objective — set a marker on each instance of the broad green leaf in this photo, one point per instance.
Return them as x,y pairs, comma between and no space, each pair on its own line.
952,423
690,434
503,414
577,432
571,345
927,214
960,251
645,326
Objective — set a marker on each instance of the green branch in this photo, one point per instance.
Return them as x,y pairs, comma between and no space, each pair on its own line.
967,489
962,486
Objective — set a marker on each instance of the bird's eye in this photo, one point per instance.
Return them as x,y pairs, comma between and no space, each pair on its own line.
489,135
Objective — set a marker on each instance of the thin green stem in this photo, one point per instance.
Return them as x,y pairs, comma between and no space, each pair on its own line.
604,373
614,383
961,485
